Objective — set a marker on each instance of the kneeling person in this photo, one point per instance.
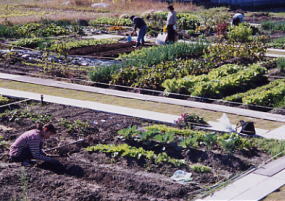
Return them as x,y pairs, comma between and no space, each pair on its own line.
29,145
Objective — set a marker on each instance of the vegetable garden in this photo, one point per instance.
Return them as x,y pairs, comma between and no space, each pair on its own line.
126,158
122,157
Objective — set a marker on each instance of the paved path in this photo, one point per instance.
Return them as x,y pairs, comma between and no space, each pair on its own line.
254,186
186,103
144,114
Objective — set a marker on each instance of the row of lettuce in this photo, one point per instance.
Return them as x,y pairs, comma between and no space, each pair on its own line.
170,142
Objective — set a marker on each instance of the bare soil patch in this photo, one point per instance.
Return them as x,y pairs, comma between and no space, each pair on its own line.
97,176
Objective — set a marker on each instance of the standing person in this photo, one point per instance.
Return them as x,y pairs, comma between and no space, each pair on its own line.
237,19
140,24
171,23
29,145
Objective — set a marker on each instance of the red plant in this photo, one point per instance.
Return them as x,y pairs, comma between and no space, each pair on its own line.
222,28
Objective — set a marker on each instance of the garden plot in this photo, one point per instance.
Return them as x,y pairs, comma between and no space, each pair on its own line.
122,158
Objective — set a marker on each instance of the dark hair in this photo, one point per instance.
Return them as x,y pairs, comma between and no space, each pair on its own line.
170,8
48,127
132,17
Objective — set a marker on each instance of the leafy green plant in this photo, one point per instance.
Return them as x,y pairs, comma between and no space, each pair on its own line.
210,140
129,133
18,115
241,33
41,30
219,82
200,168
253,51
271,97
239,97
152,77
124,150
167,137
189,142
231,143
76,126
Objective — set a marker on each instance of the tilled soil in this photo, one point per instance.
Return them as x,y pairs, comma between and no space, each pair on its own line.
87,176
104,50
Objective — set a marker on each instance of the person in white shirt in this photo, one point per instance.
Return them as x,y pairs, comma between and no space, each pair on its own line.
237,19
171,23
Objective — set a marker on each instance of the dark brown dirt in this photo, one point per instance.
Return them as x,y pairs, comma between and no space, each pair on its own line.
105,51
87,176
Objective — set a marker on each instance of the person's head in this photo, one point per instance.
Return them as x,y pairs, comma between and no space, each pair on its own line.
47,130
132,17
170,8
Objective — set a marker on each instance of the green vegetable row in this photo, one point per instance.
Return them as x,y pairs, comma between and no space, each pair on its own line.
124,150
220,82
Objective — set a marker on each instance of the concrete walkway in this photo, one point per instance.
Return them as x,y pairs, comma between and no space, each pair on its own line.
254,186
186,103
144,114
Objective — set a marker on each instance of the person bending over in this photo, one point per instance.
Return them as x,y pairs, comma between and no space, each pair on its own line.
29,145
140,24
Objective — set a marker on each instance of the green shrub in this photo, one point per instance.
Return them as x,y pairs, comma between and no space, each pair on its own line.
240,33
200,168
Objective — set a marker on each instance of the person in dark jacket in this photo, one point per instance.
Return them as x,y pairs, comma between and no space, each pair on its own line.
140,24
29,145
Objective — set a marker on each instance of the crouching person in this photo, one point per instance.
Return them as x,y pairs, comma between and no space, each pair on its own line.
29,145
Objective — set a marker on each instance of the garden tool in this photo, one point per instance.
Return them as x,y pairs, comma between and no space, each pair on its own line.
55,148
